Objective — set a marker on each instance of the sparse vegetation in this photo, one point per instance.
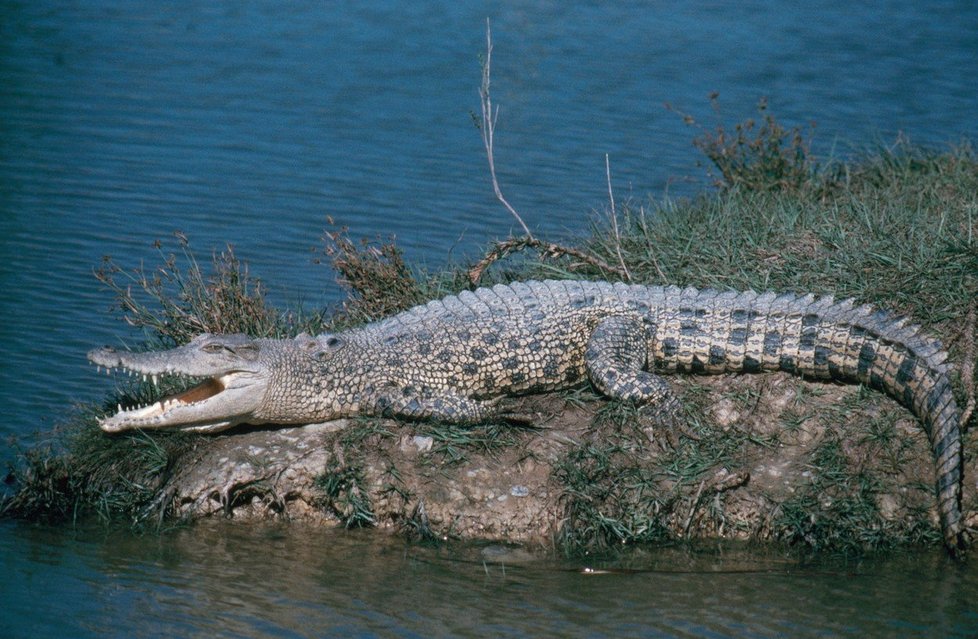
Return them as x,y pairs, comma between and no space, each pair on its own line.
79,472
759,154
180,299
839,510
345,495
611,498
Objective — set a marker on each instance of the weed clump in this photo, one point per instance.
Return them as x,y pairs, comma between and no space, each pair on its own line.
80,472
758,154
377,279
176,303
345,496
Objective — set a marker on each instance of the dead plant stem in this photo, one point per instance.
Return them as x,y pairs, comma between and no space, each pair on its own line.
614,219
504,248
489,116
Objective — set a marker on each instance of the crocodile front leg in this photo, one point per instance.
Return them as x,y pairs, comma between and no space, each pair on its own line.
616,356
394,400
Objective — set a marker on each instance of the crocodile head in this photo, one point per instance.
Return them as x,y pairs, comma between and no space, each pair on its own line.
235,375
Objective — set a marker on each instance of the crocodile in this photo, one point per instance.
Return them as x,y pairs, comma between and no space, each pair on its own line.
453,359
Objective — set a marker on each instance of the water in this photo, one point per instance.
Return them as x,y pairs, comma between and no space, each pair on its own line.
227,580
250,123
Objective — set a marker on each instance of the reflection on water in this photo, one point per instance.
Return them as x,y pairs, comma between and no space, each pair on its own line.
229,579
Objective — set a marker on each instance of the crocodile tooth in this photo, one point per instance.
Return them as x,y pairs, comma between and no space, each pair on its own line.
156,381
119,406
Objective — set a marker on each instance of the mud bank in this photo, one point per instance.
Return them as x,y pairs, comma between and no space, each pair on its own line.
755,457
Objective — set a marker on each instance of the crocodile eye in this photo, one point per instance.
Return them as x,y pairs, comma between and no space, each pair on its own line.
248,352
212,348
333,342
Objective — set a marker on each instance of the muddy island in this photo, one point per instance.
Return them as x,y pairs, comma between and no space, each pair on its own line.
765,457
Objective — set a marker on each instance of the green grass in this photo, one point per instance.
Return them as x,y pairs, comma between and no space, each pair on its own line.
610,498
343,493
452,443
630,477
857,463
839,510
899,232
79,472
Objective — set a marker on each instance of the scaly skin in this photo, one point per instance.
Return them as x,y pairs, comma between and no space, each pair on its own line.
452,359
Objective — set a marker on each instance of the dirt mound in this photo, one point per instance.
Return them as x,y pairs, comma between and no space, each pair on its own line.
753,457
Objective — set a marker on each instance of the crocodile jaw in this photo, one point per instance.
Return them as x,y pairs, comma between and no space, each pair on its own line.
216,404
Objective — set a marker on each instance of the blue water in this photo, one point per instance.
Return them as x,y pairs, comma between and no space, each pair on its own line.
250,123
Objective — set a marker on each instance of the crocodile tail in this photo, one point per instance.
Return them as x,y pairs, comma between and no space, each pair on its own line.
715,332
880,350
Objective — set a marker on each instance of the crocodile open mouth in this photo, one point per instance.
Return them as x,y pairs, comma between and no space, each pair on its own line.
207,385
194,395
187,408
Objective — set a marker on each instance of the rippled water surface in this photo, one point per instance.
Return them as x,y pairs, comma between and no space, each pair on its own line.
249,123
228,579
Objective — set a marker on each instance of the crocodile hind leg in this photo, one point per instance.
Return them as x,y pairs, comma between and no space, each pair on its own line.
616,356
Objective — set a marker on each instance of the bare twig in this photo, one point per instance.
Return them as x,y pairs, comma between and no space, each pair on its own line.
614,219
719,484
488,128
645,233
504,248
692,509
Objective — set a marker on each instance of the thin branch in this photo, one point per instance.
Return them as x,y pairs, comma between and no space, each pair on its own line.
614,220
489,116
692,508
502,249
717,485
645,233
